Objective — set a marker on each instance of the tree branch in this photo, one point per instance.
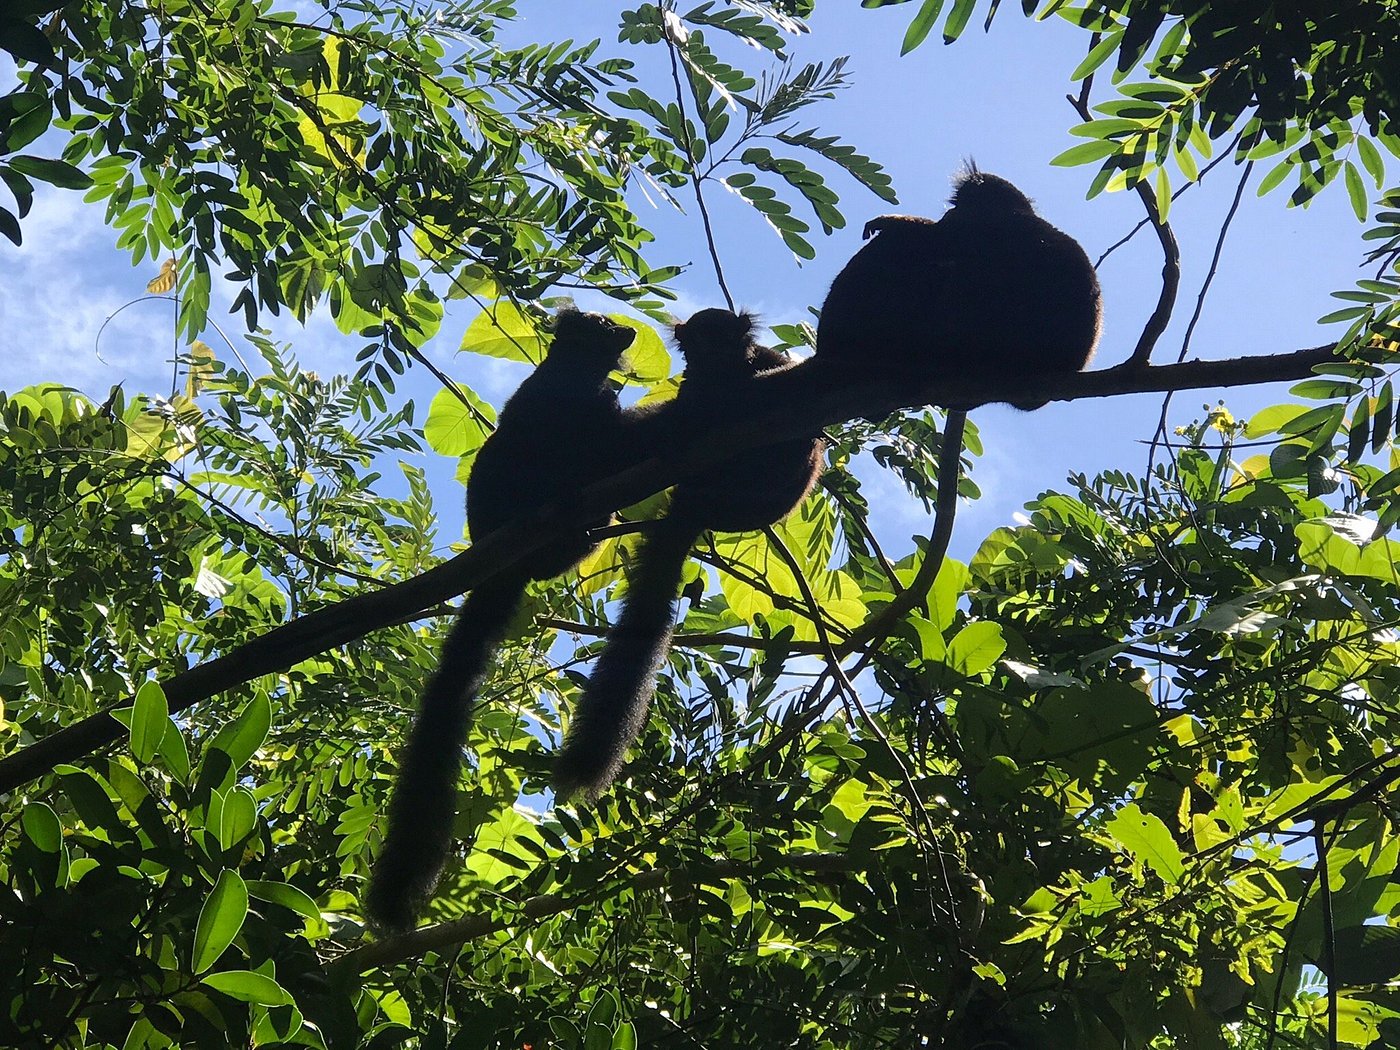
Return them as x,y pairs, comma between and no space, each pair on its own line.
447,934
786,404
1171,259
698,640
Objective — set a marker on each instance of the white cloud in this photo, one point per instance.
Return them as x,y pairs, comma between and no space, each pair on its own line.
59,288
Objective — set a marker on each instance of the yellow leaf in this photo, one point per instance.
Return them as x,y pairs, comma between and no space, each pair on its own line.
145,435
503,331
333,110
646,360
201,367
166,281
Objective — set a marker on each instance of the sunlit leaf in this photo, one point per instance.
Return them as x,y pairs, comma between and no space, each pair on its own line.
219,921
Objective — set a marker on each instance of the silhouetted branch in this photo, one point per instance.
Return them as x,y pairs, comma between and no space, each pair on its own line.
1171,257
787,404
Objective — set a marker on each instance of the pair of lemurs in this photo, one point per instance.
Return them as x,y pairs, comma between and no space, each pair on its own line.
560,431
988,289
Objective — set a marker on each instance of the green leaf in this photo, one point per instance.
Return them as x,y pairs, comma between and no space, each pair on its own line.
32,114
1164,194
237,817
1356,190
647,360
976,648
457,426
1380,425
173,752
1147,840
55,172
286,895
605,1007
1371,160
149,718
9,226
89,799
1272,419
25,42
1366,955
219,922
1086,153
958,19
921,26
1324,389
1276,175
42,827
947,591
241,738
503,331
1359,433
1097,56
249,987
1102,734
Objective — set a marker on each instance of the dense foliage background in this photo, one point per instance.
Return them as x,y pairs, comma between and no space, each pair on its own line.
1124,779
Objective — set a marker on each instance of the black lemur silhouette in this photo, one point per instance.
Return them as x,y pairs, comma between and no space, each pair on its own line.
560,430
749,491
990,289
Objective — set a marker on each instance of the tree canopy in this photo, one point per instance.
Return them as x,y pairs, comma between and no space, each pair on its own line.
1123,779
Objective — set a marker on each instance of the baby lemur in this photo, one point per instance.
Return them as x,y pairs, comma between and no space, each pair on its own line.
990,289
560,430
749,491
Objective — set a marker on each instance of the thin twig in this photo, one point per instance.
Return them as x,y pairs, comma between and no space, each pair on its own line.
1329,932
697,640
945,509
1200,305
451,384
1161,314
672,46
922,823
429,938
863,527
1184,188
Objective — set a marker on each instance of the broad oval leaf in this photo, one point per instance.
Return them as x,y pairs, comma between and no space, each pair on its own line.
237,818
149,717
286,895
647,360
976,648
42,827
457,425
1365,955
501,330
249,987
219,922
242,737
55,172
1146,838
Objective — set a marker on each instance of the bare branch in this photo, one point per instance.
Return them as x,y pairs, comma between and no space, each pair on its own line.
1171,260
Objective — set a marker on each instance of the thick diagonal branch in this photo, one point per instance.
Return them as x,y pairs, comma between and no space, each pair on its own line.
788,404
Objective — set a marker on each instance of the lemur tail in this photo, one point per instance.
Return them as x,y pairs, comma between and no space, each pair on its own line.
613,708
424,802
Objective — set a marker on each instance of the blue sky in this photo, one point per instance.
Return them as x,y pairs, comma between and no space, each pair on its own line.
997,97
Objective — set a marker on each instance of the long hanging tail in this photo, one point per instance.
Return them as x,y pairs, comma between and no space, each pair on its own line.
424,801
613,707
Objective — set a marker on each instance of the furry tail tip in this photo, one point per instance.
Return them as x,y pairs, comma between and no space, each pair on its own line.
587,784
393,904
